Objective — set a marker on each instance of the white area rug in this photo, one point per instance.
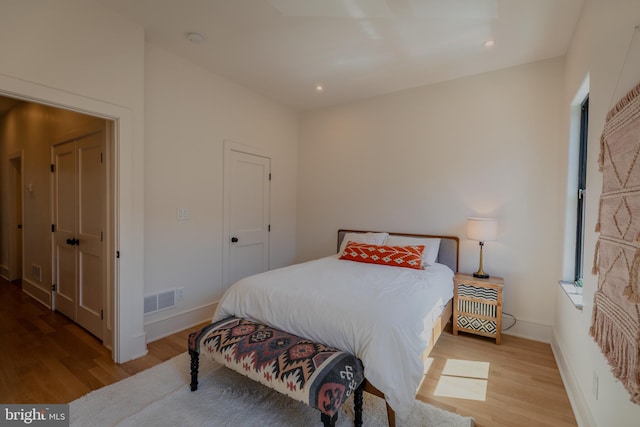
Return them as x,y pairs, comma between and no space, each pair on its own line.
160,396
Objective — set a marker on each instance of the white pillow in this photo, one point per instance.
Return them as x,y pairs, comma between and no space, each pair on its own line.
369,238
431,246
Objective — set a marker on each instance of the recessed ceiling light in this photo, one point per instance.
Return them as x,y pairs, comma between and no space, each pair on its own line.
319,88
489,43
195,38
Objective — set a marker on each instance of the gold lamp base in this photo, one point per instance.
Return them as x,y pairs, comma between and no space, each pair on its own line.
480,273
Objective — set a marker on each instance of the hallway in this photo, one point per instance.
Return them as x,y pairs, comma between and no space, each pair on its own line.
46,358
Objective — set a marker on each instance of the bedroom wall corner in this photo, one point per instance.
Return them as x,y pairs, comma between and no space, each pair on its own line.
598,49
424,160
189,114
578,399
529,330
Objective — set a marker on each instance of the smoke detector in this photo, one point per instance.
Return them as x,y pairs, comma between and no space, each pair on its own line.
195,38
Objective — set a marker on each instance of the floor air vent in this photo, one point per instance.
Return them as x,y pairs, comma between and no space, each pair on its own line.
160,301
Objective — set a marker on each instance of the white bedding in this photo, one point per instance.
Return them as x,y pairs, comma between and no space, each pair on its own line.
382,314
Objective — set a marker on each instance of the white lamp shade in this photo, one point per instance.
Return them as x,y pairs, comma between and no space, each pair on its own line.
482,229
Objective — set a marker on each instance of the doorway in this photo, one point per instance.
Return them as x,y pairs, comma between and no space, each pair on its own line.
56,181
16,186
124,304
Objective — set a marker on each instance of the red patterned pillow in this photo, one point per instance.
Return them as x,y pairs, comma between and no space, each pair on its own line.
398,256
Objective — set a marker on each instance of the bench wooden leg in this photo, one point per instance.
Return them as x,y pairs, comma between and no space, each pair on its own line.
328,421
391,416
357,405
195,364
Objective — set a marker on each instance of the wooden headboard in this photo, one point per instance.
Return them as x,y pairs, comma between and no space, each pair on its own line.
447,255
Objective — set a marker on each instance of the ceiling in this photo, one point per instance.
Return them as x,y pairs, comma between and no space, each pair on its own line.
356,49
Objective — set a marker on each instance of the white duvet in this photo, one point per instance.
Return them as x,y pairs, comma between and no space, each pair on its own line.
382,314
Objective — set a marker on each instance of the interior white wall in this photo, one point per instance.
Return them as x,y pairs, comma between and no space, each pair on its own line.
78,55
426,159
598,50
189,114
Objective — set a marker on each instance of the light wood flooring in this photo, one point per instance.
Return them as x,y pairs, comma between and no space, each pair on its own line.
523,387
46,358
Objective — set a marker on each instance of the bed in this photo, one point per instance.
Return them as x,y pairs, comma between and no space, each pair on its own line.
390,317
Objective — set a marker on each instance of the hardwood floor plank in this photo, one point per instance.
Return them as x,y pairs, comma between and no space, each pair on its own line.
109,371
104,376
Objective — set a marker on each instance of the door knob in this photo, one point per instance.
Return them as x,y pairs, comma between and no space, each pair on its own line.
71,242
234,239
76,242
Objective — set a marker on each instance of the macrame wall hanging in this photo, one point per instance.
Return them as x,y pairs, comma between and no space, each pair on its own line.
615,324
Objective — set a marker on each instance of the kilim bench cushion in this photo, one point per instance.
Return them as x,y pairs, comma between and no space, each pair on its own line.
315,374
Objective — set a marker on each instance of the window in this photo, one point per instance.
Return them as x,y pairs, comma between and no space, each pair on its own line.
582,185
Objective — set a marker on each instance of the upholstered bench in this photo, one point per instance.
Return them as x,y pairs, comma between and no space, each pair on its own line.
317,375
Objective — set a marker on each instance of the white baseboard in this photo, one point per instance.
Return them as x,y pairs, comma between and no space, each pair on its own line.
529,330
577,398
36,292
171,324
136,347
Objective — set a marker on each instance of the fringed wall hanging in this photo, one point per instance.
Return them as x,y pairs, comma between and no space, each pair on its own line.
615,324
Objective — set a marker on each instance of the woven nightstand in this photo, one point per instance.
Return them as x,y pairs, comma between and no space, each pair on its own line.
477,305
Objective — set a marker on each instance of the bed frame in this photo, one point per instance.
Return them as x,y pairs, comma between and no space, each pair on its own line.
448,255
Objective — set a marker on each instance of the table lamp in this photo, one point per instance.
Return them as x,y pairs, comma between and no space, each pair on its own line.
482,230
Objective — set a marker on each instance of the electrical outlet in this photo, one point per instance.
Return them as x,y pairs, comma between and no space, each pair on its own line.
594,385
36,272
179,294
